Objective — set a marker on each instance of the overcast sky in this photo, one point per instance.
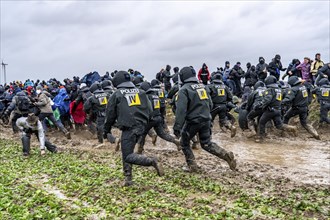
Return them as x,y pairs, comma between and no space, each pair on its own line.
66,38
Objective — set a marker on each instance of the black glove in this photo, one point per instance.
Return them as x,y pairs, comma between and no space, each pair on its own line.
284,69
177,133
231,105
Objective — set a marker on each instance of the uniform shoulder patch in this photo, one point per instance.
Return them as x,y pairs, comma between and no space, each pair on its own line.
202,94
133,99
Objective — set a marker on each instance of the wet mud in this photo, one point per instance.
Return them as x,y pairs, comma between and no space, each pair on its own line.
301,160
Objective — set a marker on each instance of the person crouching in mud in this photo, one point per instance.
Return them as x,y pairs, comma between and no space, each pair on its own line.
31,125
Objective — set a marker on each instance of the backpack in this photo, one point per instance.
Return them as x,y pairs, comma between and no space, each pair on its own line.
23,103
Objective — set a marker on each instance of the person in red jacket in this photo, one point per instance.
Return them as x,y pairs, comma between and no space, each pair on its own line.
204,74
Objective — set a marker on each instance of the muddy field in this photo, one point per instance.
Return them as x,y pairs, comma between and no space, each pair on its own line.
277,166
301,159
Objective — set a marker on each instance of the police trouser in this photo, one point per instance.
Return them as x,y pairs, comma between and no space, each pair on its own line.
273,114
26,138
51,117
100,125
156,123
163,115
221,112
129,138
204,131
324,109
254,113
293,111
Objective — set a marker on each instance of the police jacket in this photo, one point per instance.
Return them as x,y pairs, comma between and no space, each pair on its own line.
272,97
323,93
297,95
128,105
155,102
161,95
173,91
255,98
220,93
97,102
193,104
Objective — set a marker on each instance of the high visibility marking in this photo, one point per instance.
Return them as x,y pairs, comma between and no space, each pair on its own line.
103,100
202,94
221,92
156,104
279,96
304,93
133,99
325,92
161,94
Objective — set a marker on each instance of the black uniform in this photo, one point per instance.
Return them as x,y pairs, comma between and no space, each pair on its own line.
254,104
131,108
96,104
323,96
323,72
155,84
298,98
271,106
221,95
156,119
193,116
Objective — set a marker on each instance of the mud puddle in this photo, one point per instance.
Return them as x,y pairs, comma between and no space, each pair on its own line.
301,159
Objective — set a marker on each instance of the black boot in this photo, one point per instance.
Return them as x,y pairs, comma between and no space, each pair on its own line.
228,156
158,167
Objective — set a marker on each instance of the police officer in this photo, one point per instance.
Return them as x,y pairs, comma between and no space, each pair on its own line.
131,108
254,105
107,87
96,104
323,96
109,90
298,98
221,95
271,106
156,119
155,84
193,116
172,94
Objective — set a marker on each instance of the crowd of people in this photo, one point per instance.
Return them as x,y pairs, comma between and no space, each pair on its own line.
127,101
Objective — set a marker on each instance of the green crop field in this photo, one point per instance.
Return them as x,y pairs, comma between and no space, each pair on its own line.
86,185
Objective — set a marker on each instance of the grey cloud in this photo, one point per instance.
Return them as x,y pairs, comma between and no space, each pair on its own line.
66,38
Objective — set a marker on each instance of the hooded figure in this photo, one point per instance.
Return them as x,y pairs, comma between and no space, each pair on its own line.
261,69
167,77
204,74
275,67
